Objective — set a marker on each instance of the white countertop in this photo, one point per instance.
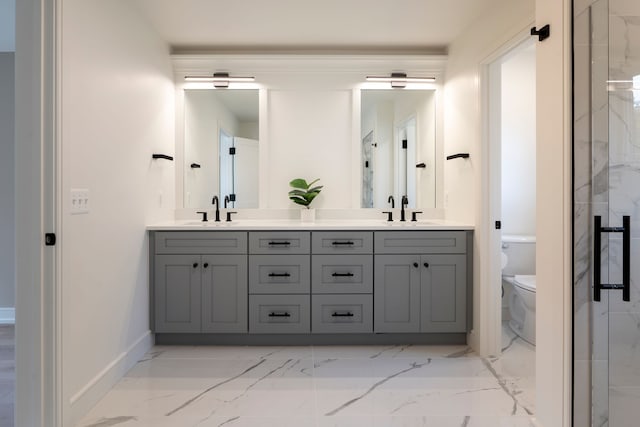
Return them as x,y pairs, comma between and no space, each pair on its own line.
325,224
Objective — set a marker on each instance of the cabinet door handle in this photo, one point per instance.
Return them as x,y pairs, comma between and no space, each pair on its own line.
415,264
340,314
426,265
279,243
343,243
205,265
342,274
195,265
279,314
279,275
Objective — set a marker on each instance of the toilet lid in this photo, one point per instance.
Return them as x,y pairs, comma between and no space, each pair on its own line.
526,282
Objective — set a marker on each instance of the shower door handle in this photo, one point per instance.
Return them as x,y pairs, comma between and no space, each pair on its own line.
598,286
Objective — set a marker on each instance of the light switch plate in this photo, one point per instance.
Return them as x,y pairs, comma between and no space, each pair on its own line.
80,201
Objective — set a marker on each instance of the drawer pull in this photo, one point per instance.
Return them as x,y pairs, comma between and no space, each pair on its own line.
195,265
279,275
343,243
426,265
279,314
342,274
279,243
342,314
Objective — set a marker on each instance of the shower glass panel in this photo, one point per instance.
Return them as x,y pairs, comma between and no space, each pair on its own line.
606,338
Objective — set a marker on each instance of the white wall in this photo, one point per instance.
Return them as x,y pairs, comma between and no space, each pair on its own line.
249,130
117,109
463,128
518,142
7,25
310,137
7,182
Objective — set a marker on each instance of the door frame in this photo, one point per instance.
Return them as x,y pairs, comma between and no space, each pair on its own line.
38,346
491,185
554,214
38,394
554,217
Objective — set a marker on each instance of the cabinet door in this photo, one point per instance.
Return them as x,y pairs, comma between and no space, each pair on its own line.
397,293
177,293
443,293
224,293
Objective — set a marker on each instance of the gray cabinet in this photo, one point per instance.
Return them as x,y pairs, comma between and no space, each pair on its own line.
224,293
302,282
342,274
279,282
443,293
200,287
342,282
177,293
279,274
279,314
342,313
421,282
397,293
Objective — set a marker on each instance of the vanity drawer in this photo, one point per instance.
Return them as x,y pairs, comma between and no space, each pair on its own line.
342,274
341,242
279,314
201,242
279,274
279,242
420,242
341,314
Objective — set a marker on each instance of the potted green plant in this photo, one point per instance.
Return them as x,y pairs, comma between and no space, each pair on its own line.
303,194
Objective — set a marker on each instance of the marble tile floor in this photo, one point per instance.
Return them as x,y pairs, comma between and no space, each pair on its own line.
7,374
324,386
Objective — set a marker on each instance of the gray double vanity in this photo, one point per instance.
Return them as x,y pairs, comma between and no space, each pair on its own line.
350,277
287,282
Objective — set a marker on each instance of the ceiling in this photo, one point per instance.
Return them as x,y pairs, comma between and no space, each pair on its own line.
420,26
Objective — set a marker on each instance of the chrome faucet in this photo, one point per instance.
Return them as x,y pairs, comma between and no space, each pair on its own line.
215,201
404,202
392,201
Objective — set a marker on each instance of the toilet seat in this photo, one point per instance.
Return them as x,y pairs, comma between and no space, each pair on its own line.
526,282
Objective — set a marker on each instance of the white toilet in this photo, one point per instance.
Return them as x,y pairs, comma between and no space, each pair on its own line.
519,263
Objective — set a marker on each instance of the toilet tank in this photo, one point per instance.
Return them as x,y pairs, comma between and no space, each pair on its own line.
521,254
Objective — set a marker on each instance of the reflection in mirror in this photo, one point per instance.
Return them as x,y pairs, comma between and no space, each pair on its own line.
398,148
221,147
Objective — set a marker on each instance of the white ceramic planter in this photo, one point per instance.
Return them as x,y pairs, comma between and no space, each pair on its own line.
308,215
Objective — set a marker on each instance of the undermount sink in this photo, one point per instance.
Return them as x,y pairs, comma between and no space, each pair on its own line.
210,223
397,223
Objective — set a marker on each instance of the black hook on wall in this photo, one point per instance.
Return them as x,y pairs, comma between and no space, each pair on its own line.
162,156
458,156
543,33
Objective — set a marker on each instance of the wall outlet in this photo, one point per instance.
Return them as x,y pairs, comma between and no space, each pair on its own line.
80,201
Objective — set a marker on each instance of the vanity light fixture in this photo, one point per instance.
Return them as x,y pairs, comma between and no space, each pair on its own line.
400,80
219,80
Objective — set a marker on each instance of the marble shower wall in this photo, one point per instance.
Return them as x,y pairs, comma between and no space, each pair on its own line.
606,183
624,199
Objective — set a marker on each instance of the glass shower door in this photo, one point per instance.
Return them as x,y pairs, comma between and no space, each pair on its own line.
606,213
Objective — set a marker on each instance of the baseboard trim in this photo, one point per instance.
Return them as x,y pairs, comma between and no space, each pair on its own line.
85,399
7,316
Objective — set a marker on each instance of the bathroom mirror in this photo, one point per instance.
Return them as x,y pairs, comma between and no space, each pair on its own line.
221,147
398,138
